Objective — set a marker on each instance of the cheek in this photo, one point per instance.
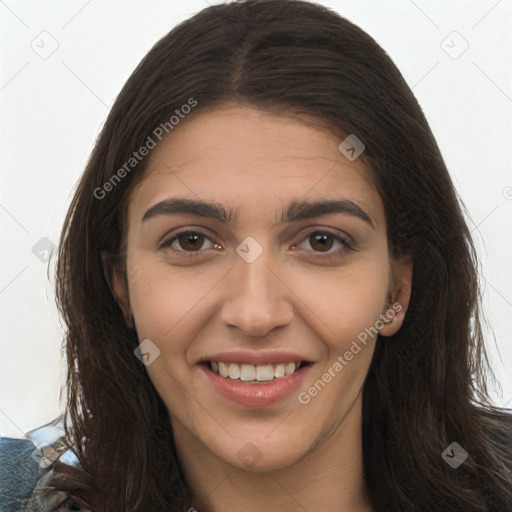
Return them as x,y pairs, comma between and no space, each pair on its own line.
168,306
347,301
349,309
168,302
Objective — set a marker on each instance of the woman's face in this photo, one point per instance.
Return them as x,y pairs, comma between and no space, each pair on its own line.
257,281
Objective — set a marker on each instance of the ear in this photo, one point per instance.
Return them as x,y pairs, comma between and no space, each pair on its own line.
116,280
399,296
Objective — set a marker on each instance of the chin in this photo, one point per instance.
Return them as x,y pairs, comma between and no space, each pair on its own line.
260,455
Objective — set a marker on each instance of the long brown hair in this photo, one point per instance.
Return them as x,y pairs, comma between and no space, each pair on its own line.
426,386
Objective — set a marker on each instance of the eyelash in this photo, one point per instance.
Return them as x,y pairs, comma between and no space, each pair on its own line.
194,254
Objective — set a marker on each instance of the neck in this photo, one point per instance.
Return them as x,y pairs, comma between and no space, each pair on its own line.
329,477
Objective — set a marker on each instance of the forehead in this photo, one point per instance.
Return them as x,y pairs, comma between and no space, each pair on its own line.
252,159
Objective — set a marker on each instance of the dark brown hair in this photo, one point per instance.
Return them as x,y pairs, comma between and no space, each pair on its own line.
427,384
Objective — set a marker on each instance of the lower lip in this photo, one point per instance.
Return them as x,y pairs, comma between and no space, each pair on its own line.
256,395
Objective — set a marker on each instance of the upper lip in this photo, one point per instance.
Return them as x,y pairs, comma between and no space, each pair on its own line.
257,358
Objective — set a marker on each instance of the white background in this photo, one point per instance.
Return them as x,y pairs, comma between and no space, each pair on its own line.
52,110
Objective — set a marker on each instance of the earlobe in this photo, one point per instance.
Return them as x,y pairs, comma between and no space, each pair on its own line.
117,283
399,297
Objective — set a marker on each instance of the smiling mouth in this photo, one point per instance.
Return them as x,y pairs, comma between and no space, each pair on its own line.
250,373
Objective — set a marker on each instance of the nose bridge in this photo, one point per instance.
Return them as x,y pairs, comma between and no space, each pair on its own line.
256,301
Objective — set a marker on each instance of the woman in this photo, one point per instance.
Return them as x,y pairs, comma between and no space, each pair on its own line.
270,291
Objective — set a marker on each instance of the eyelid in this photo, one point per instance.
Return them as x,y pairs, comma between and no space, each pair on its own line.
345,240
345,237
180,231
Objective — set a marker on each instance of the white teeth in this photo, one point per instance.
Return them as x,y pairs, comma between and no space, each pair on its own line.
289,368
253,373
279,371
234,371
265,372
247,372
223,369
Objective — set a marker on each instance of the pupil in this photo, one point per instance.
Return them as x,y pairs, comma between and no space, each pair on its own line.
321,240
187,241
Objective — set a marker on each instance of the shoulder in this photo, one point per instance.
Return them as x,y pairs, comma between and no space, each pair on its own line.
19,473
26,468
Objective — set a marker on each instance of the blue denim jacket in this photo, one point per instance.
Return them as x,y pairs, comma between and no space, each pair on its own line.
26,468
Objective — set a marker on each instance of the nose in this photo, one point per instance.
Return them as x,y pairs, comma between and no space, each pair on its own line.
257,298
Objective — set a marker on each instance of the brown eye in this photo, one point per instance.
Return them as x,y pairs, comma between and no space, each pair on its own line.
324,244
321,241
190,241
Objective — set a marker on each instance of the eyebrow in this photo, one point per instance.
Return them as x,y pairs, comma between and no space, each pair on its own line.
297,210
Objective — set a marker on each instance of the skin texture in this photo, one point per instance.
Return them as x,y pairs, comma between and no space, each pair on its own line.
295,296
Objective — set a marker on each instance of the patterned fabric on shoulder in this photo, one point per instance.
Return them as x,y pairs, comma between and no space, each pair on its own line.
26,468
